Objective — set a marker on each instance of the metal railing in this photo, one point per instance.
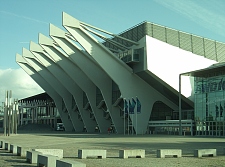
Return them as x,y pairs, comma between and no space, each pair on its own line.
208,48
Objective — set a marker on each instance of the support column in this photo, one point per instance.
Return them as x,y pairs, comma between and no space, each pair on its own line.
9,113
52,81
36,114
48,88
21,123
16,116
13,115
79,78
77,58
32,115
61,81
5,113
130,84
180,126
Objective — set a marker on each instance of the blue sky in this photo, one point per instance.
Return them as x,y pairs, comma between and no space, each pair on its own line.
22,20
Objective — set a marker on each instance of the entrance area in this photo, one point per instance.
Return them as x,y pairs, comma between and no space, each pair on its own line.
171,127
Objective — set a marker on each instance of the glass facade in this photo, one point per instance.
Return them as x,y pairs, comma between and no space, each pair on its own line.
210,105
164,120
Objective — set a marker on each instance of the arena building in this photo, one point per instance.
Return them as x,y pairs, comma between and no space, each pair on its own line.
143,80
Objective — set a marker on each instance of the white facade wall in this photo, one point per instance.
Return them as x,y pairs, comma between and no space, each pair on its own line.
167,62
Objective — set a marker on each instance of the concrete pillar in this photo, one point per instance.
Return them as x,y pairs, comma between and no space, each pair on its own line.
5,113
47,87
15,116
56,78
9,113
94,72
51,80
12,117
21,120
35,114
32,115
79,78
130,84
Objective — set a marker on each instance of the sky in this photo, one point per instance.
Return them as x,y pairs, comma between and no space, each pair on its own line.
22,20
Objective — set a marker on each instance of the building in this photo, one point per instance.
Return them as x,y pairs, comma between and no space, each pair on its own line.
209,100
38,109
130,82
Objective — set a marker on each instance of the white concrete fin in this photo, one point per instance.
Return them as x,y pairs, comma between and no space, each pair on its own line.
70,21
63,45
56,31
93,47
32,64
35,47
27,54
24,64
26,68
54,55
67,45
49,50
38,51
44,60
42,39
58,34
32,61
20,59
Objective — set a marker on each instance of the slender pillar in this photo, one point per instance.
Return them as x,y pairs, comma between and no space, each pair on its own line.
21,116
12,117
15,116
5,113
36,114
9,113
180,126
32,115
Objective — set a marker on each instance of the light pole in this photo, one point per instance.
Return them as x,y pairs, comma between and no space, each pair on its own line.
6,113
180,127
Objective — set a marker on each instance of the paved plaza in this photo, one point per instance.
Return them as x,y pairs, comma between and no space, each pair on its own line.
70,143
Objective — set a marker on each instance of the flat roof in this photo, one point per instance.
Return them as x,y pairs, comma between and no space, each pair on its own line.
214,70
41,96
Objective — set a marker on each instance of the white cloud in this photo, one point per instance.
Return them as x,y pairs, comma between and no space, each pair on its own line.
21,84
212,20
